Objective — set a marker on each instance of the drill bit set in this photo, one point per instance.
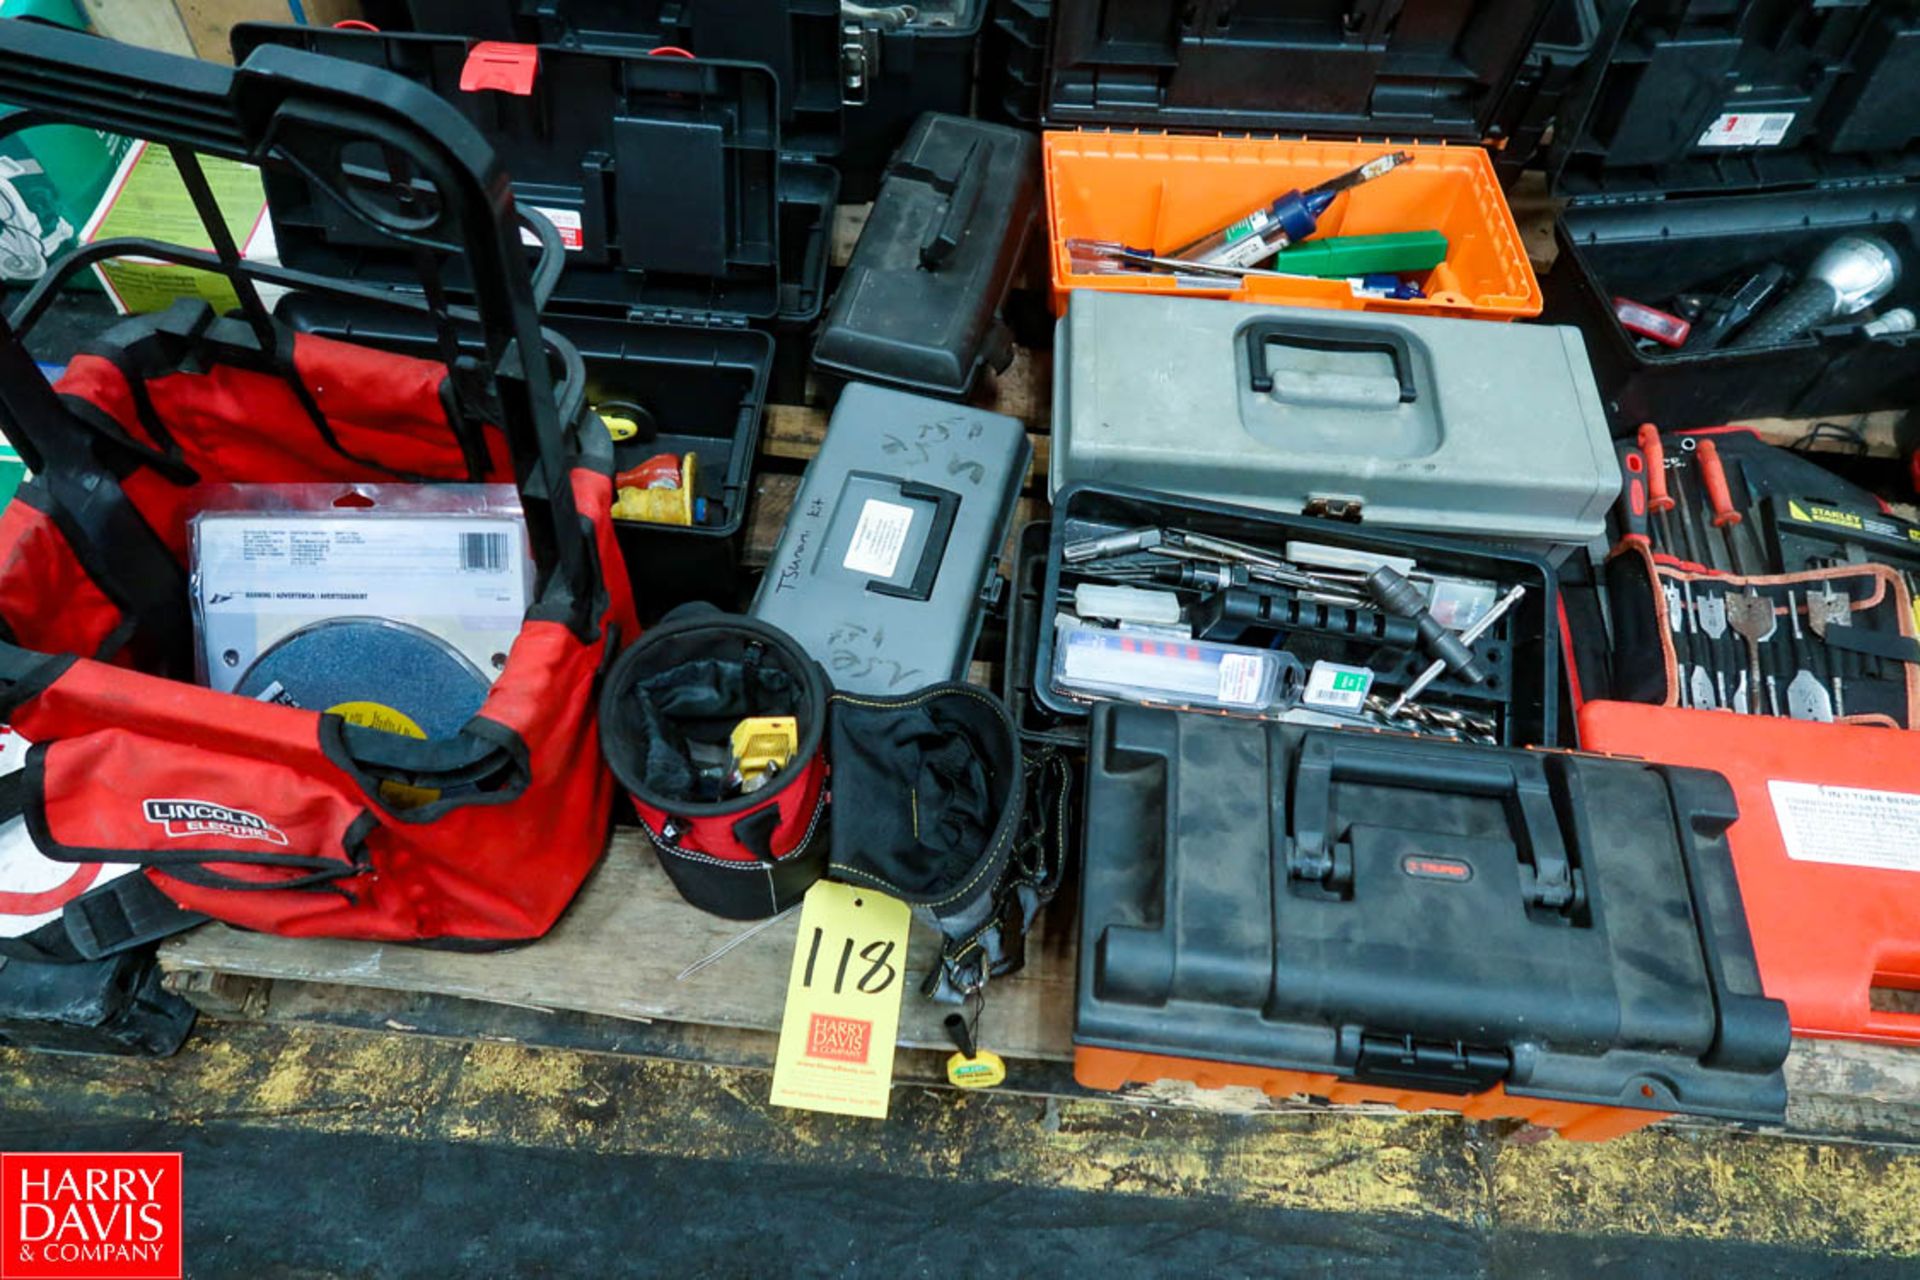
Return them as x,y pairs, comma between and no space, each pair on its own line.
1756,598
1304,625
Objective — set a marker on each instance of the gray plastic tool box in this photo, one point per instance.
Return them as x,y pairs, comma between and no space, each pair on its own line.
892,550
1460,425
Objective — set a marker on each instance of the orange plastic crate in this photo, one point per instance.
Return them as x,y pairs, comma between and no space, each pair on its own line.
1109,1069
1160,191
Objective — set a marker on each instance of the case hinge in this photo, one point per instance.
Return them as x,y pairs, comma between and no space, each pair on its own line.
1438,1066
1347,509
686,319
859,61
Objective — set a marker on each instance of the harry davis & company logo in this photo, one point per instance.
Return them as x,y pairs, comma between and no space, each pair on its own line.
82,1215
839,1039
204,818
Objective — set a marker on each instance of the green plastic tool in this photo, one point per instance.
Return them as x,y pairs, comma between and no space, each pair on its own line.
1364,255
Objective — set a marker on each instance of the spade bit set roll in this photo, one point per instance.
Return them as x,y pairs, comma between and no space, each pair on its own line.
1723,600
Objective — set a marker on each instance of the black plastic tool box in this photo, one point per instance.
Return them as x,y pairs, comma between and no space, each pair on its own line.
1533,101
1013,60
1427,917
919,307
1436,69
110,1006
1823,102
852,78
689,236
1036,722
891,554
1523,648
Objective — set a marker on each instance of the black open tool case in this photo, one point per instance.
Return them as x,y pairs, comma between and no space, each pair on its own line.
1705,139
1438,69
1521,650
688,233
852,78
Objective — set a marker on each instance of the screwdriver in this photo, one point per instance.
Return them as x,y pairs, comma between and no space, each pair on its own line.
1633,501
1272,227
1725,518
1659,500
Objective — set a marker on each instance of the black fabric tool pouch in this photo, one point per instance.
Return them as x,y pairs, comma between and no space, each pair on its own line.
936,806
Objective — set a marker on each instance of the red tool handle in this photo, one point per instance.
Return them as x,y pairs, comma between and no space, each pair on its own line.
1658,499
1633,502
1714,476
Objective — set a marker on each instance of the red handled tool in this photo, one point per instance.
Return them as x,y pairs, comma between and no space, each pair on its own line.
1633,501
1659,500
1726,516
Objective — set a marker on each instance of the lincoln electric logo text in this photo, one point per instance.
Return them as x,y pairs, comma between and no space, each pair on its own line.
204,818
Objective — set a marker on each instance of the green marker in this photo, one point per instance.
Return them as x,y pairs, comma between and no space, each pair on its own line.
1364,255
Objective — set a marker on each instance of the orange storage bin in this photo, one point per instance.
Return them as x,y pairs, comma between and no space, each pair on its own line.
1110,1069
1159,191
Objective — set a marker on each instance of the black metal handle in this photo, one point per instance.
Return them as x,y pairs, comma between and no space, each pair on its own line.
946,504
1325,337
1521,781
945,238
283,106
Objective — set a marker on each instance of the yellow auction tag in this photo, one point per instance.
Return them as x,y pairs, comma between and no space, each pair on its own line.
982,1071
843,1002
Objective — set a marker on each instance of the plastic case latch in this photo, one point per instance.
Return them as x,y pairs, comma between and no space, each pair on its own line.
1436,1066
502,67
859,61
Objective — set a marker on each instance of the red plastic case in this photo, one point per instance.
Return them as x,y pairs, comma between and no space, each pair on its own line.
1827,934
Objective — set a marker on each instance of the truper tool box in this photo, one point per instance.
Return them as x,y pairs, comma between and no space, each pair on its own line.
1705,143
1827,848
1521,651
1394,420
1367,917
1426,77
892,550
919,306
683,225
852,78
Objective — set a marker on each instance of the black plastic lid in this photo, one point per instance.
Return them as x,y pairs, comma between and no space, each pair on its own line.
1406,69
1695,97
661,173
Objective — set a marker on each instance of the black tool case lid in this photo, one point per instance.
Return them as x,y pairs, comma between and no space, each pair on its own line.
918,306
662,174
1712,97
1410,69
1421,915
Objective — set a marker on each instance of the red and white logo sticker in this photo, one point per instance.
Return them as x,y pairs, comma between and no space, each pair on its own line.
88,1215
183,818
839,1039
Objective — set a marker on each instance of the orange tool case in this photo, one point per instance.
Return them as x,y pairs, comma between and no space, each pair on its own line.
1827,848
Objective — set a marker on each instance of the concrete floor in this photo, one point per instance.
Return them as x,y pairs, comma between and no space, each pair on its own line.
316,1152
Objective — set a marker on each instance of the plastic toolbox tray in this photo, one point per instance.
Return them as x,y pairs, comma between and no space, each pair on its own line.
1827,848
728,232
891,552
850,83
919,306
1400,420
1830,100
1403,77
1367,917
1523,647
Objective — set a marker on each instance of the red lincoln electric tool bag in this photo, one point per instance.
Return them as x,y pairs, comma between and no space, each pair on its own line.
152,801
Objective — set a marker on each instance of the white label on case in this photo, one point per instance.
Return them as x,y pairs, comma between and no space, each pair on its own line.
1749,129
1333,687
1851,826
573,234
1240,678
879,538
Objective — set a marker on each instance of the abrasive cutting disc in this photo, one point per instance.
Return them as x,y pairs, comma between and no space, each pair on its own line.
374,671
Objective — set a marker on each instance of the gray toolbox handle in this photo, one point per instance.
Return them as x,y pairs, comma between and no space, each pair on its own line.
1325,337
946,504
